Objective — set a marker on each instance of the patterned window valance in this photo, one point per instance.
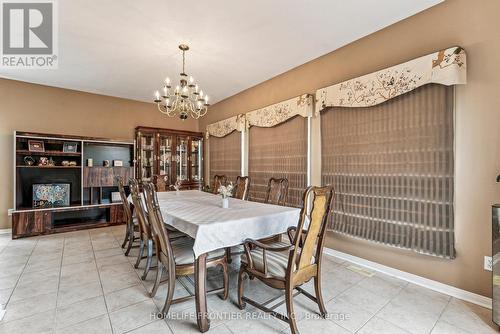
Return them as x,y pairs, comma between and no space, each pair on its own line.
446,67
280,112
226,126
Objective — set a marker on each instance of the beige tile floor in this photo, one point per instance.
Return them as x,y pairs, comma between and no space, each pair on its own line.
80,282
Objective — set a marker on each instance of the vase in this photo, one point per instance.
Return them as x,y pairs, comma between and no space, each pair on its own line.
225,203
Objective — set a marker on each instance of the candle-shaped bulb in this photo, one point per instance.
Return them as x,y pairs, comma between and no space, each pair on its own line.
206,98
157,94
191,80
165,90
201,94
177,88
167,81
196,88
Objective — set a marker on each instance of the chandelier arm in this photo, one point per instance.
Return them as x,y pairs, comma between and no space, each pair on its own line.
165,111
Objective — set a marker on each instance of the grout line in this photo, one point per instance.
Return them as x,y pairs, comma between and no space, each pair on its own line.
441,314
20,275
59,282
100,282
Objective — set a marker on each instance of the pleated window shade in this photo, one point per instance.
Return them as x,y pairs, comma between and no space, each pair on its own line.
225,156
392,169
279,152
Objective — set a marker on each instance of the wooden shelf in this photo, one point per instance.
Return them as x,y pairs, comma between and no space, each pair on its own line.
50,167
49,153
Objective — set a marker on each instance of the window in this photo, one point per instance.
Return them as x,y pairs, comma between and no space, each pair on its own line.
280,152
225,156
392,169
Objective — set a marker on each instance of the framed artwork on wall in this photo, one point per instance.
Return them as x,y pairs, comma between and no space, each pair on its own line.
36,146
51,195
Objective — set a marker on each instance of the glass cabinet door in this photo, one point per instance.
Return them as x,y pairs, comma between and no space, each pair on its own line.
196,161
182,158
165,156
146,149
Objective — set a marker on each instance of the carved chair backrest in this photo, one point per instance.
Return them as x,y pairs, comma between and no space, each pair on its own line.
219,180
127,210
158,225
139,206
241,188
160,182
312,222
277,191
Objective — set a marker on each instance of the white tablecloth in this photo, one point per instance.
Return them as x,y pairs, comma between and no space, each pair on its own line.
201,216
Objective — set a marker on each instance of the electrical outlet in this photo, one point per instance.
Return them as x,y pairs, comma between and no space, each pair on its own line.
488,263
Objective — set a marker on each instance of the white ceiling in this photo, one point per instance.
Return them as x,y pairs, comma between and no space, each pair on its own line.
126,48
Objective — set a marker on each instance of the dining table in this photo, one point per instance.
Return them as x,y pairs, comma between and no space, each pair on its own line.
201,216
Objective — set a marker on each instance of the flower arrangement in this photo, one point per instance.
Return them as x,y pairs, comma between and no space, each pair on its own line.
177,185
226,191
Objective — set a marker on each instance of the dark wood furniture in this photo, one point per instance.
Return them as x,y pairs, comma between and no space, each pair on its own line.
277,191
242,188
130,220
160,182
219,180
176,256
290,266
91,188
178,155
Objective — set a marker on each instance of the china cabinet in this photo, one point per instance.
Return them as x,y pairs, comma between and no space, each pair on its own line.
172,154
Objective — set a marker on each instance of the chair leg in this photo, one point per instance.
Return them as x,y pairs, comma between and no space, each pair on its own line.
130,239
171,288
319,296
241,288
149,260
127,235
226,281
139,256
289,308
159,272
229,259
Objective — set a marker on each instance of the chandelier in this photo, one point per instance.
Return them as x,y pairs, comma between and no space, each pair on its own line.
186,99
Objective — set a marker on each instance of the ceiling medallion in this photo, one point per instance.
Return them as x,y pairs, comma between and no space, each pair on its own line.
187,99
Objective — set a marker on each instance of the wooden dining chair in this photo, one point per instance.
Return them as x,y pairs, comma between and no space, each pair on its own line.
219,180
242,187
277,191
132,226
160,182
146,236
177,256
288,271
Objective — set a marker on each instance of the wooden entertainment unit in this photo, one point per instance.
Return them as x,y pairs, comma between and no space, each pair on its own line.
56,189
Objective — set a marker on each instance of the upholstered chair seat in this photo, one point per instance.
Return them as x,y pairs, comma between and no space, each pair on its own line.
183,251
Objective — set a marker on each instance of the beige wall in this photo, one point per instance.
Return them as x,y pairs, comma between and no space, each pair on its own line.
473,25
28,107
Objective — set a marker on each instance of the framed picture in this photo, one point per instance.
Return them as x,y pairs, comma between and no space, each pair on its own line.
50,195
36,146
70,147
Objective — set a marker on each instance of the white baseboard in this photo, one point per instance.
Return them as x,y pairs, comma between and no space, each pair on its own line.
5,231
418,280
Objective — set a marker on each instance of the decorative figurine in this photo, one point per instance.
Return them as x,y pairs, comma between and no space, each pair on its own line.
29,161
